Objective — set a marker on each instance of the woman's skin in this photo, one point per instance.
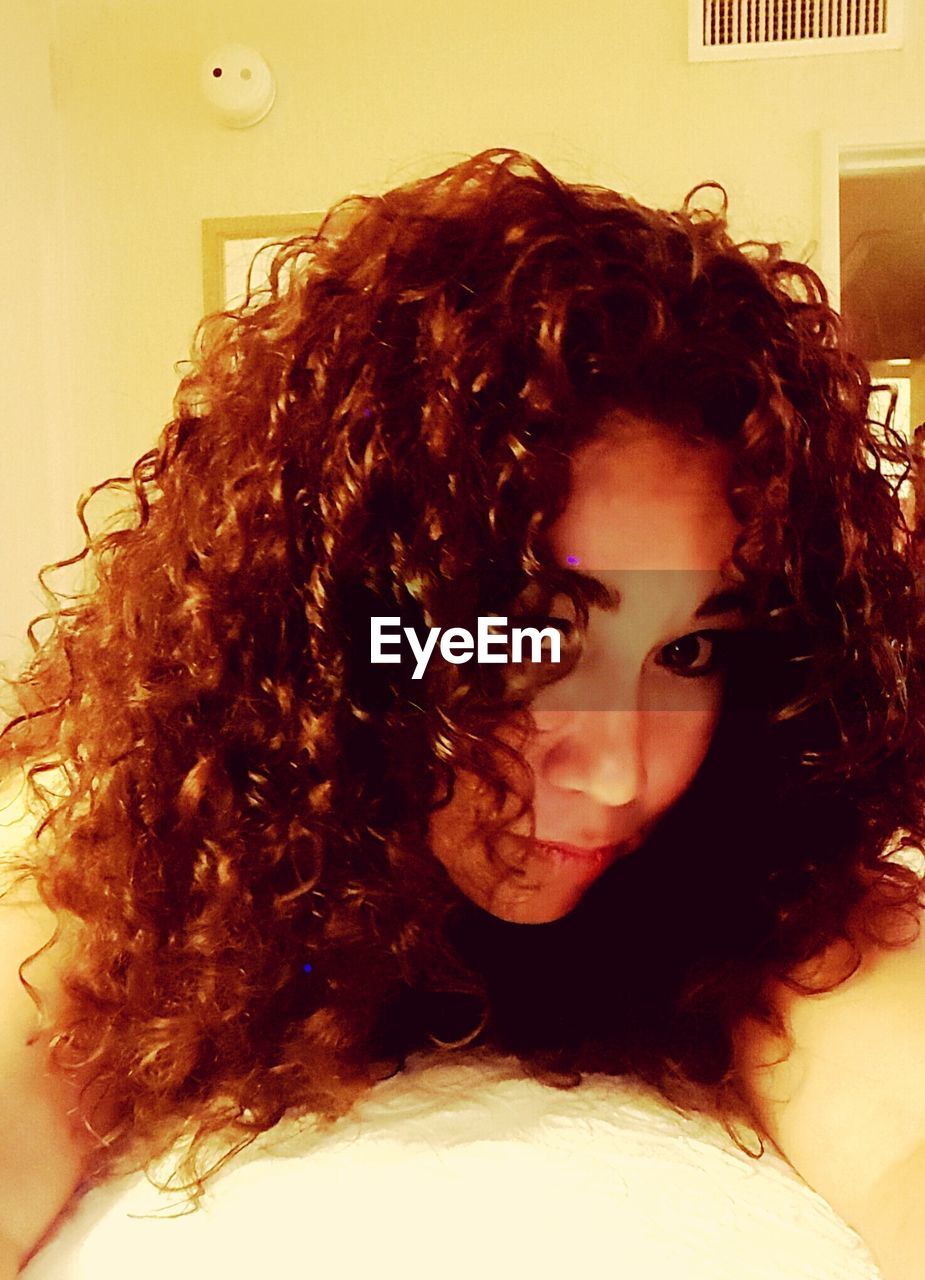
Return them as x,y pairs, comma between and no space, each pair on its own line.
41,1149
844,1100
648,514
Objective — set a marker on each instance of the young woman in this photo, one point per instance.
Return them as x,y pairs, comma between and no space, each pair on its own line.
275,868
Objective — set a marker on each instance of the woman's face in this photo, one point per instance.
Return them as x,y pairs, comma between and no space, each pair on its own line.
618,739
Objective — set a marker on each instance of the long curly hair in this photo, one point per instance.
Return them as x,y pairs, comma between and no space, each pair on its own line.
232,805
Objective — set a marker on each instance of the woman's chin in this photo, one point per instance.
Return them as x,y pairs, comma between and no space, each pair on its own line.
528,883
533,903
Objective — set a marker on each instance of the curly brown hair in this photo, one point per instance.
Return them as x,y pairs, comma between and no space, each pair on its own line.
237,840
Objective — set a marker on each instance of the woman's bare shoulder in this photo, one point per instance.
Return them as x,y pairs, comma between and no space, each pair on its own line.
42,1145
841,1095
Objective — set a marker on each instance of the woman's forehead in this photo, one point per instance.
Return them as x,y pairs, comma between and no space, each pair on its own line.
646,501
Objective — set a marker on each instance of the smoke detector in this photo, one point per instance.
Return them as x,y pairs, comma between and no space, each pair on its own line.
238,85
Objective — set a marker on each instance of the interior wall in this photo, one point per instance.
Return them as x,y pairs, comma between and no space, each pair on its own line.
30,354
369,95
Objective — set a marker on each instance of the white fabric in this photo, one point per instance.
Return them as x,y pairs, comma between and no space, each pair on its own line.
467,1170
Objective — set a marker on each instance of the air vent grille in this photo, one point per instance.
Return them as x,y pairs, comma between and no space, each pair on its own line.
775,28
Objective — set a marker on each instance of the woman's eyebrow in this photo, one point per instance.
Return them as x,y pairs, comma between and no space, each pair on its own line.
597,593
726,600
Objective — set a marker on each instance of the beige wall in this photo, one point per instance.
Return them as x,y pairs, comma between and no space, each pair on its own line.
29,336
371,93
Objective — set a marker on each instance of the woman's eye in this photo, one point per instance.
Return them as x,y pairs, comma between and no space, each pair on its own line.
697,654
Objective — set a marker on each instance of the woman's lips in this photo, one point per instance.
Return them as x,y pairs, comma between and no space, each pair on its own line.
574,853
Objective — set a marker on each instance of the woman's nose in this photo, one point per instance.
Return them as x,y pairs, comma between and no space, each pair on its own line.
599,754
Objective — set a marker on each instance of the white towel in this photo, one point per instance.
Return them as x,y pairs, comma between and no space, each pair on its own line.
465,1170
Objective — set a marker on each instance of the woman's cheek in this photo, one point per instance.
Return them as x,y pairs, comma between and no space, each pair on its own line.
676,746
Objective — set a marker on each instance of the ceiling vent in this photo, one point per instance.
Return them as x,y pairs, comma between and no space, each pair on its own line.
729,29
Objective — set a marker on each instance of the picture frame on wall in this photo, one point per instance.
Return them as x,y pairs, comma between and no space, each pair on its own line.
231,245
